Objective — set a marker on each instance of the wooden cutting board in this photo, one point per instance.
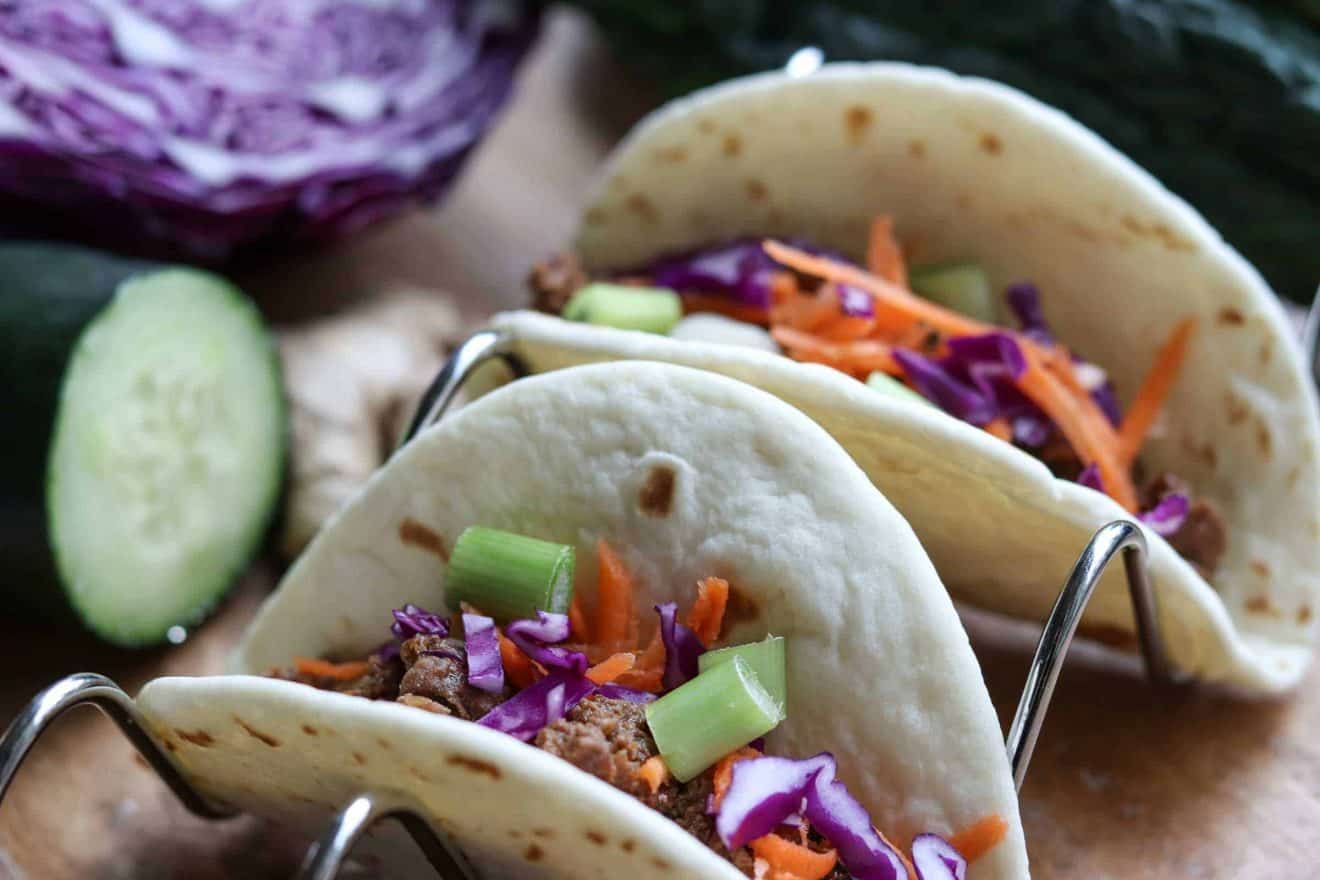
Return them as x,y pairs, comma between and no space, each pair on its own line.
1127,782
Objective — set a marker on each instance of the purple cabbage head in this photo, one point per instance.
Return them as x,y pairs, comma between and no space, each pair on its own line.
214,131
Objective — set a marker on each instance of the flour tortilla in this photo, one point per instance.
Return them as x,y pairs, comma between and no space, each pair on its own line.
970,169
879,669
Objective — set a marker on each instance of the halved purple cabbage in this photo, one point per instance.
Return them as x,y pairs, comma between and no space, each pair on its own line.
212,130
485,666
682,647
765,791
537,639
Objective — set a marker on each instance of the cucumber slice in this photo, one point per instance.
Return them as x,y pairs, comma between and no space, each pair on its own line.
887,384
167,442
961,286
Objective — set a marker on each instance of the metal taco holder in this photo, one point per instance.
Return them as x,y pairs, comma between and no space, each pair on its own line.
325,858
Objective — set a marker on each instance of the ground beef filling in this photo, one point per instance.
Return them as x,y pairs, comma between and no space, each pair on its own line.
554,281
604,737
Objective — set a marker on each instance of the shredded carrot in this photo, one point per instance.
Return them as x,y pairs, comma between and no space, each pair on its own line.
654,771
700,302
1154,391
707,615
862,357
1000,428
805,311
612,667
518,667
903,856
791,861
310,666
883,255
578,624
723,774
980,837
614,607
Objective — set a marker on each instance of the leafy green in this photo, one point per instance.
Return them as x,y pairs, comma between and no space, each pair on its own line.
1217,98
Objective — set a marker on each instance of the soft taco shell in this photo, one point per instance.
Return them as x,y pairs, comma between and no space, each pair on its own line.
880,671
971,169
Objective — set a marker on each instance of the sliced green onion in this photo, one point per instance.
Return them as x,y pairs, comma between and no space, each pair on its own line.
961,286
653,309
887,384
766,659
508,576
700,722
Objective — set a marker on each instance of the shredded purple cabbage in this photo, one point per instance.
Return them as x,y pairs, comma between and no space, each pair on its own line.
937,384
387,651
537,639
936,859
539,705
765,791
1168,514
1090,477
1024,300
411,620
682,647
214,130
739,269
485,667
855,303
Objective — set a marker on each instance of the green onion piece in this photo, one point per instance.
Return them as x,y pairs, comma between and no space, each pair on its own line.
766,659
887,384
701,721
961,286
509,576
653,309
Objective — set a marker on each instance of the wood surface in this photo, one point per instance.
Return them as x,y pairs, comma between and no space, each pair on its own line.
1127,782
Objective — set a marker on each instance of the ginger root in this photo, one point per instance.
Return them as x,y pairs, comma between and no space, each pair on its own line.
352,381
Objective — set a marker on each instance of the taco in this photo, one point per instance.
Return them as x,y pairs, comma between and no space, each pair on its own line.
628,620
1017,333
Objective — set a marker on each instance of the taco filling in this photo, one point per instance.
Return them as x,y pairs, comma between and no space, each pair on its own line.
927,334
669,719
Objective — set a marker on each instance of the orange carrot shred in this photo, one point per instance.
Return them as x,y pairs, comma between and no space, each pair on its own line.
614,606
723,774
863,356
980,837
1154,391
792,861
707,615
654,771
1000,428
884,257
518,666
310,666
578,624
612,667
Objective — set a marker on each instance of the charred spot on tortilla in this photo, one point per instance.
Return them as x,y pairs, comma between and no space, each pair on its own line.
917,149
474,765
418,774
309,730
756,190
706,126
543,833
628,845
1235,408
264,738
732,146
1260,567
1266,352
662,864
359,759
856,120
384,743
1304,614
1264,441
1231,316
657,495
595,837
991,144
533,853
199,738
641,206
420,535
1261,605
670,155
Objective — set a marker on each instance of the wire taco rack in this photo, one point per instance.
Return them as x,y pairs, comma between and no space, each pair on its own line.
328,854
